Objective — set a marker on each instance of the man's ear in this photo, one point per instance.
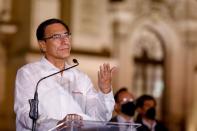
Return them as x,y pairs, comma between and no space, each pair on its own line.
42,45
139,110
117,107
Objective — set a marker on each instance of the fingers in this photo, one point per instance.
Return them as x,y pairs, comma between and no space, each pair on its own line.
105,69
70,118
73,117
105,77
99,76
113,70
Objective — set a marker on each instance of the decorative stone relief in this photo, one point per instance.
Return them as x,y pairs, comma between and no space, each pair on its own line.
5,10
42,10
90,25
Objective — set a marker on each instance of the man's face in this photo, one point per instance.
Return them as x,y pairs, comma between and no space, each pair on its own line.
147,105
123,97
57,43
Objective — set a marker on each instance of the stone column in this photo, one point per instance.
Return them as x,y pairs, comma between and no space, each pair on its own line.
16,46
121,48
66,7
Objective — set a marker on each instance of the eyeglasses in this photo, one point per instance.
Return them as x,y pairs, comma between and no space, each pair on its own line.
59,36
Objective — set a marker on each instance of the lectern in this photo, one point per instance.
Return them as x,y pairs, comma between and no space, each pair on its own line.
94,126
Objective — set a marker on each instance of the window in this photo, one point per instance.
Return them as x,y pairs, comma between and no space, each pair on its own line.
149,65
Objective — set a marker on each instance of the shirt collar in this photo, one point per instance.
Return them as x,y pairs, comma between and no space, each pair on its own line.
122,119
49,66
149,125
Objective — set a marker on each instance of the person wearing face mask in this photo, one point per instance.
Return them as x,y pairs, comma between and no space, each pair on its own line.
146,108
124,107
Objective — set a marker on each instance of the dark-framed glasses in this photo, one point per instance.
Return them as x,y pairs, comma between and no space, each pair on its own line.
66,35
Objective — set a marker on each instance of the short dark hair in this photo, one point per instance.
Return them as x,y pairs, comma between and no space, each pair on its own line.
123,89
41,28
140,101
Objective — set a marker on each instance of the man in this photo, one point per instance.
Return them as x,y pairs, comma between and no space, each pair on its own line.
146,108
124,107
69,93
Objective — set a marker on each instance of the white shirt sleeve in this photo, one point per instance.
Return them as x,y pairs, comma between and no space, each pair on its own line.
86,100
99,106
24,90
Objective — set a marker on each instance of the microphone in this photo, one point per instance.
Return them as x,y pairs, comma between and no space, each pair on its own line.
33,113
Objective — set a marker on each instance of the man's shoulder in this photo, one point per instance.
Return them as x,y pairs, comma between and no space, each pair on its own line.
114,119
79,73
160,126
30,66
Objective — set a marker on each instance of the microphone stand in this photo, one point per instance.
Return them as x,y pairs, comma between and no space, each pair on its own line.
33,113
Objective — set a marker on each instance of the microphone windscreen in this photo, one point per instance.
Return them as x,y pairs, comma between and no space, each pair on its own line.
75,61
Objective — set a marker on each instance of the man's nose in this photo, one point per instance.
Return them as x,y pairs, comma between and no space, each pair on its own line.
65,38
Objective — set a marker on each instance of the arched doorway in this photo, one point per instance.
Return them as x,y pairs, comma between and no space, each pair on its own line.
149,58
163,31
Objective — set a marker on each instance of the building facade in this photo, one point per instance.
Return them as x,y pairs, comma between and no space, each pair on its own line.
153,43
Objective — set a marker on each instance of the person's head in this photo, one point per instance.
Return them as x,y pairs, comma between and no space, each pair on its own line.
146,105
124,102
53,36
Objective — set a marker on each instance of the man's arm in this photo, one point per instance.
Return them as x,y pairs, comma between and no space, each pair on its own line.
100,104
24,90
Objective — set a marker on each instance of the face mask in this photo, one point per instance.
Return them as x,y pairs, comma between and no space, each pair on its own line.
151,113
128,108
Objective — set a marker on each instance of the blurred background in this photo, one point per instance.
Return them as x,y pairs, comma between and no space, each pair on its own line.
152,42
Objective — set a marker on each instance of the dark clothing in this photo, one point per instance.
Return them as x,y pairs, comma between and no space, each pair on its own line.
114,119
158,127
123,127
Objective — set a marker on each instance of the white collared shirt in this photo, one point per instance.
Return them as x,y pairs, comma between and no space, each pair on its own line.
150,126
59,95
123,120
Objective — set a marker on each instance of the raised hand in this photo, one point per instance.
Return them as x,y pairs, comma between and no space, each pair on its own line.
105,78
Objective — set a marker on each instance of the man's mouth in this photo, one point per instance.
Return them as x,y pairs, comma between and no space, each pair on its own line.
64,48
